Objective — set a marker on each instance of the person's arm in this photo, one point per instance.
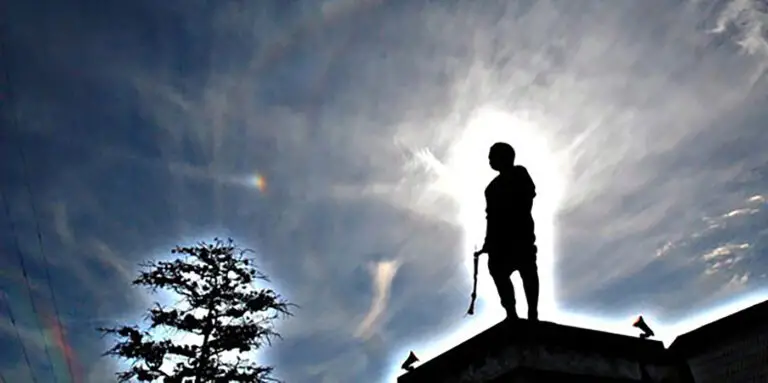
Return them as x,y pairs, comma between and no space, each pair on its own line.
528,188
484,249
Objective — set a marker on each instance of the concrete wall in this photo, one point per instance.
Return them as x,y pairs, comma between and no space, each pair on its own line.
562,360
744,359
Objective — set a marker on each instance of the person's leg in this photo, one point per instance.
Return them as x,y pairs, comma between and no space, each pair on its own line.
501,272
529,273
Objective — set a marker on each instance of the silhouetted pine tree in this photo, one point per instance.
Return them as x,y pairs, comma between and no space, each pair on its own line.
219,304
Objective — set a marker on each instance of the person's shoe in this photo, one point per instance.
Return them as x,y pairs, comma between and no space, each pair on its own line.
511,317
533,316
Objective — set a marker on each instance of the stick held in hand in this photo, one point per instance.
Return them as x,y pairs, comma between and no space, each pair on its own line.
471,310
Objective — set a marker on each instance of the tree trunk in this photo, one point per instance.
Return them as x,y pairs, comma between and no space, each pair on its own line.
204,358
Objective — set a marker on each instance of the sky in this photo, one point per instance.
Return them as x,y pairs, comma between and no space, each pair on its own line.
345,142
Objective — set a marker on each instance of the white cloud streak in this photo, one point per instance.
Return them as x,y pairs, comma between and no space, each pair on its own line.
382,274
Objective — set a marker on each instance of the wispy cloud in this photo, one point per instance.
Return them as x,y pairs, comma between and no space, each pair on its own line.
382,274
723,256
33,340
745,22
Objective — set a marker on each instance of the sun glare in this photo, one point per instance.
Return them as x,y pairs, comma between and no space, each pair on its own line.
465,175
468,162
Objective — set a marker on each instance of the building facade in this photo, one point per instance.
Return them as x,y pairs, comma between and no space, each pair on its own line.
733,349
548,352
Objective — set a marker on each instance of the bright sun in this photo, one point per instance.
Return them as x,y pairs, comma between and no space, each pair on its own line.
468,165
465,175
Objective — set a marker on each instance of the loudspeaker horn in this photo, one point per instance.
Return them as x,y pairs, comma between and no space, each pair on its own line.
408,364
640,323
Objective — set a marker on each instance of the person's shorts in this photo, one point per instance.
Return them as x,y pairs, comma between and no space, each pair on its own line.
510,259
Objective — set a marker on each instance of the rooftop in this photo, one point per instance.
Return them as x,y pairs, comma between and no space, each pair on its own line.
495,339
523,332
723,329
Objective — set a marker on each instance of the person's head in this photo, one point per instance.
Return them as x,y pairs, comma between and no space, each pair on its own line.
501,156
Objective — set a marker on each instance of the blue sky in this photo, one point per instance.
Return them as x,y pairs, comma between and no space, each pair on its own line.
145,125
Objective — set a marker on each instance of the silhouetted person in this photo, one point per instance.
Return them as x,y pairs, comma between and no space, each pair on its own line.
510,241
